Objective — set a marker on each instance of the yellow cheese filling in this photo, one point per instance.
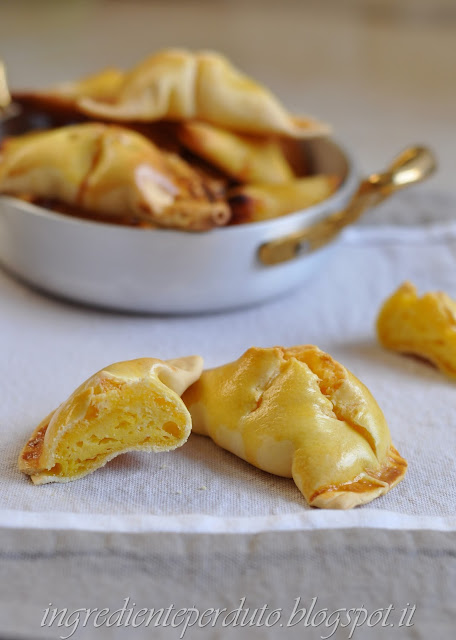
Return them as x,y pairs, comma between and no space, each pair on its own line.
133,417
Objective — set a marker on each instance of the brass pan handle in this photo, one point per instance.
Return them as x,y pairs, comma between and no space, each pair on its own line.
411,166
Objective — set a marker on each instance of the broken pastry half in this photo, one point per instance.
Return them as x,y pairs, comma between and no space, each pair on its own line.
257,202
296,412
113,172
244,158
180,85
423,326
128,406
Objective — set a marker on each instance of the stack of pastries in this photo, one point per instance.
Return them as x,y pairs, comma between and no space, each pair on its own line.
183,140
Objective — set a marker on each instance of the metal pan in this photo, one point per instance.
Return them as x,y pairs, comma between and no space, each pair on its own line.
168,271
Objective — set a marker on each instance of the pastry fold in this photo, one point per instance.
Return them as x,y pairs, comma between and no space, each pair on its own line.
298,413
176,84
113,172
128,406
424,326
242,157
257,202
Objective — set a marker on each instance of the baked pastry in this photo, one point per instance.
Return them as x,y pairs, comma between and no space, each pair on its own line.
5,97
242,157
128,406
63,98
296,412
111,171
176,84
424,326
257,202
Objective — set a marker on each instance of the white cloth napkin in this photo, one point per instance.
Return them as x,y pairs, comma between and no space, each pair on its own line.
48,347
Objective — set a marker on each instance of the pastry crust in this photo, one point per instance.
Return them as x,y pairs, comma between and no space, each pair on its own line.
298,413
257,202
111,171
176,84
128,406
242,157
424,326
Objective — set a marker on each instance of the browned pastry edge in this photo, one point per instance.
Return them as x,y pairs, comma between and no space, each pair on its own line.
30,455
389,474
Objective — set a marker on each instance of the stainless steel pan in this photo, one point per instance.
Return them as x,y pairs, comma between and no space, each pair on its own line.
167,271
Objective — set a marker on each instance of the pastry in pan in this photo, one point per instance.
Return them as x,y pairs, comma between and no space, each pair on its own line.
128,406
63,98
298,413
256,202
424,326
111,171
242,157
176,84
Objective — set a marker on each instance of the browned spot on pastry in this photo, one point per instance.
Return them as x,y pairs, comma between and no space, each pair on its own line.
389,474
243,208
35,446
31,453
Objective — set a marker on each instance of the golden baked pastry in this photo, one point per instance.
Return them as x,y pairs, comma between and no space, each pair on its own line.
63,97
424,326
5,97
176,84
298,413
112,171
244,158
128,406
256,202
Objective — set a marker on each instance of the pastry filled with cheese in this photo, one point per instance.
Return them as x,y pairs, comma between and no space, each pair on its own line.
244,158
424,326
296,412
128,406
257,202
111,171
180,85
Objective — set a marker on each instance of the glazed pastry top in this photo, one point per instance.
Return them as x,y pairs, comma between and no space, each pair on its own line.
297,412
